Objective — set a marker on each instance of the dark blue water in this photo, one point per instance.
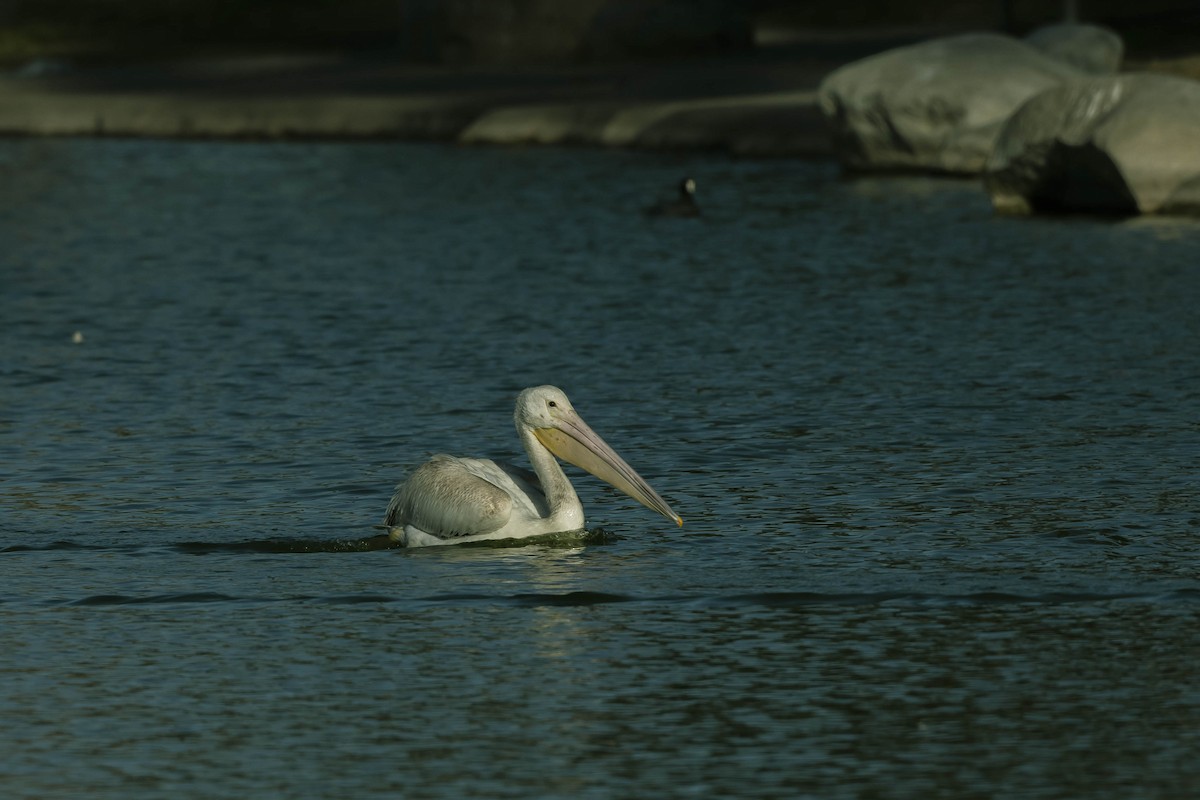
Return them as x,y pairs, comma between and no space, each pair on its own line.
939,473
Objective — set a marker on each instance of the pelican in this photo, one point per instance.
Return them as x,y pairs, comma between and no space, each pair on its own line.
451,500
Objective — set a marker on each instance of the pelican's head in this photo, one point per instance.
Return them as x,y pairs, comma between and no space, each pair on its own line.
546,411
687,187
538,406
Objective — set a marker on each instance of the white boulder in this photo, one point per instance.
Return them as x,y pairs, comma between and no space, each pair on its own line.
1123,144
1091,48
938,105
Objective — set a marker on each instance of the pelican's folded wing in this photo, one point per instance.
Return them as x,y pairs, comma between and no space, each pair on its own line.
444,499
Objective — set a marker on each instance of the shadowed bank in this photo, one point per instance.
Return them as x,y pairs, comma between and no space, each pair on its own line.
734,75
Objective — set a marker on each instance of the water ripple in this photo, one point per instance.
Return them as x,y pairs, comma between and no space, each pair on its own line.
169,599
938,470
588,598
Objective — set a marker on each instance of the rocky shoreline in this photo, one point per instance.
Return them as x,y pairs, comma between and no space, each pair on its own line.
749,105
1051,122
944,104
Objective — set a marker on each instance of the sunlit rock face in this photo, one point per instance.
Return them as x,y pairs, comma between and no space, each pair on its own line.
935,106
541,31
1126,144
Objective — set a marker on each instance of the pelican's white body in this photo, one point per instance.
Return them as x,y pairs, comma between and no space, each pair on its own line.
475,499
451,500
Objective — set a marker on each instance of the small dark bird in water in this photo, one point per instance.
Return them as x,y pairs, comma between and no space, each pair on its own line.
682,206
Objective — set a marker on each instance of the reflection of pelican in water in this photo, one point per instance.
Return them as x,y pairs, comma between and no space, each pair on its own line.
450,500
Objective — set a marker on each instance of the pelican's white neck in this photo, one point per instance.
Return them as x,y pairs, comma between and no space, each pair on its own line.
561,498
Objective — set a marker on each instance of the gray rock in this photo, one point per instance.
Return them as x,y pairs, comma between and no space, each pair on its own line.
1124,144
771,124
935,106
1090,48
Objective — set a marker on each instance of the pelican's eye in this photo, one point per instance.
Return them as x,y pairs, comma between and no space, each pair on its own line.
552,404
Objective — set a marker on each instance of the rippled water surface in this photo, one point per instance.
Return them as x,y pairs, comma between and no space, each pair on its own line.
939,473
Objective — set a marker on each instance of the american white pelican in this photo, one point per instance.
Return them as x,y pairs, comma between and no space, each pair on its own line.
450,500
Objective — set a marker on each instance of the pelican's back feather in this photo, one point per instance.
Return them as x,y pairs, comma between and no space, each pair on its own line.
446,499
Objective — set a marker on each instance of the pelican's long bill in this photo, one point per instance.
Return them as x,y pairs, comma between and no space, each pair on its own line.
572,440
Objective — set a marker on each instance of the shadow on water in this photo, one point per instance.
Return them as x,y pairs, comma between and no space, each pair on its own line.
596,536
776,600
279,545
284,545
289,545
